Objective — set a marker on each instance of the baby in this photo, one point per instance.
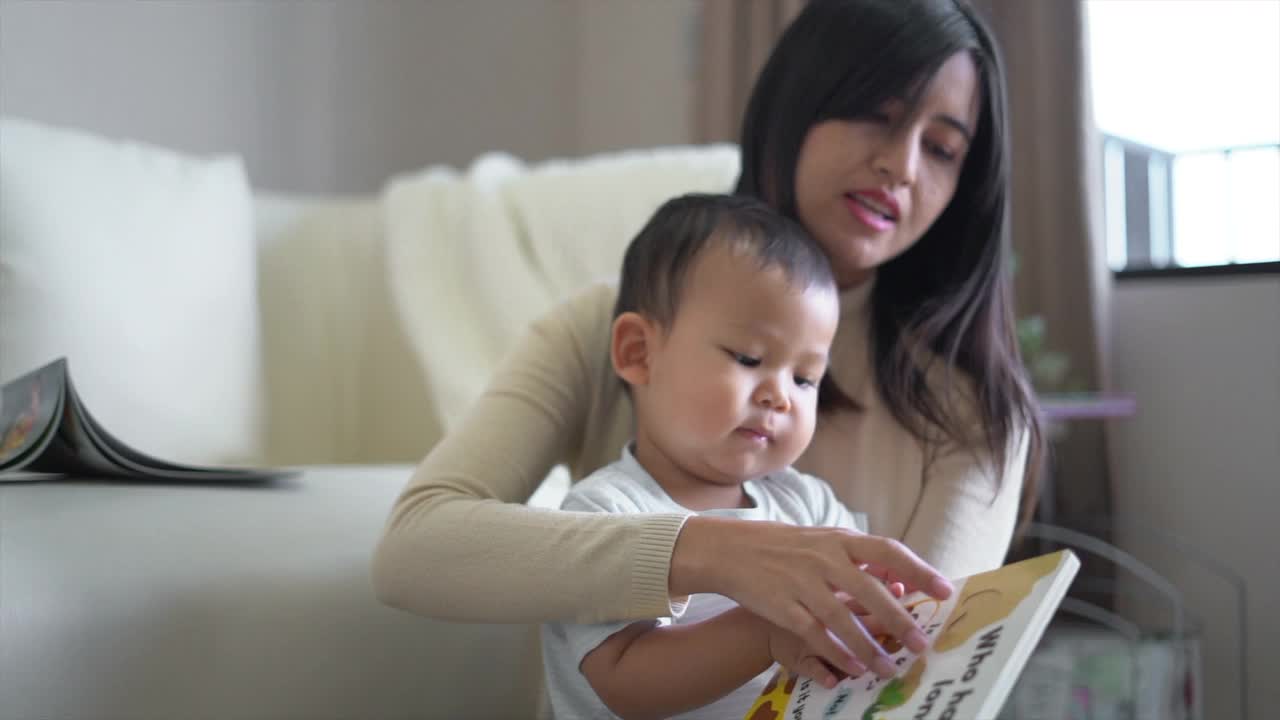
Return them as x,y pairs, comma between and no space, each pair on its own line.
724,318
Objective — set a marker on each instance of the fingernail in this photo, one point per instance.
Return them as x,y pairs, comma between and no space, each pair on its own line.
855,668
884,667
916,641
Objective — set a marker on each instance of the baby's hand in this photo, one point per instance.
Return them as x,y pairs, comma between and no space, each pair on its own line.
789,651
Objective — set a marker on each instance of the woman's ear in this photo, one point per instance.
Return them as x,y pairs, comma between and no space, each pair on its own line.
630,347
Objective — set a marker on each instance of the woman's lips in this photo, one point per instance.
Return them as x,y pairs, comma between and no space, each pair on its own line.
870,211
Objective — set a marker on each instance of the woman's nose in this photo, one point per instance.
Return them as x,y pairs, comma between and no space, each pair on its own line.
898,160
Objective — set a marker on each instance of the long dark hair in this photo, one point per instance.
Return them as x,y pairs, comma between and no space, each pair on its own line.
950,293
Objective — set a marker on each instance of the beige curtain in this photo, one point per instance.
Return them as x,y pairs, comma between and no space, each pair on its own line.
737,36
1056,207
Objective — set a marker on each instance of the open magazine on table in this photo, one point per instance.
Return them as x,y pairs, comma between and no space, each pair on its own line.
979,641
45,430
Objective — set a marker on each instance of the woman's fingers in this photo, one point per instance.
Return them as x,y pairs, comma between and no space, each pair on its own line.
811,629
879,602
890,561
794,576
872,583
849,631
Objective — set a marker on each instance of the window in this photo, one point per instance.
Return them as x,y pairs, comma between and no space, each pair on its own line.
1186,94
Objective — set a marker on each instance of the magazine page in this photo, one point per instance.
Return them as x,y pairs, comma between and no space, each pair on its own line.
980,638
72,452
30,406
46,431
133,463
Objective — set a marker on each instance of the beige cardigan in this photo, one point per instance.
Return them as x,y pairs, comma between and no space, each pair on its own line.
460,545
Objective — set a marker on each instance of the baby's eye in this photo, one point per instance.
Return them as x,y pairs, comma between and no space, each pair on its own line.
804,382
744,360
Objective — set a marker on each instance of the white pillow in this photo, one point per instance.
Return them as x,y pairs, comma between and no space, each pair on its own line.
138,264
579,214
474,257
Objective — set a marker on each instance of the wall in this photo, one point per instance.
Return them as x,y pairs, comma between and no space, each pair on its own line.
1201,460
635,78
337,96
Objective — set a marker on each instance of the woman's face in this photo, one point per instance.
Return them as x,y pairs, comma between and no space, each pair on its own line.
868,189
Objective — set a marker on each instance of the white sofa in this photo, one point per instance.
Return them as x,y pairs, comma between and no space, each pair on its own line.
162,601
127,601
342,384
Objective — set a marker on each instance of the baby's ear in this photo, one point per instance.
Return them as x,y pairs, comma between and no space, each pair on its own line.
630,347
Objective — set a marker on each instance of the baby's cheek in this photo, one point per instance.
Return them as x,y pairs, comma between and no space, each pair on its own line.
804,429
695,408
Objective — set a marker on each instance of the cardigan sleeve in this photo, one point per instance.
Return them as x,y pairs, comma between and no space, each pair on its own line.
968,507
461,545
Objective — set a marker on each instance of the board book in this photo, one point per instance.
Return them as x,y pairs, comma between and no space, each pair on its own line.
979,640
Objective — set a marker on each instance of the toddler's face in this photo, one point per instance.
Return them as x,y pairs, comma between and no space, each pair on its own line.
733,389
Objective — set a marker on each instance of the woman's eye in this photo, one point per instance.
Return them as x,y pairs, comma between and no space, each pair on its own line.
940,151
745,360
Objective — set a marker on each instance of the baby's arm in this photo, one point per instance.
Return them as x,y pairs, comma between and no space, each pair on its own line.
655,672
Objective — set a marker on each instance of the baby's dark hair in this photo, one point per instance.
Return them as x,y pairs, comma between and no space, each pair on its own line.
655,266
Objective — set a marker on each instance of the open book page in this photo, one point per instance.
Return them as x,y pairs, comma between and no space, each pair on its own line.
980,639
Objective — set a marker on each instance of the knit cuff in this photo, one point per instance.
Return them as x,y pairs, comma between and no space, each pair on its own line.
651,567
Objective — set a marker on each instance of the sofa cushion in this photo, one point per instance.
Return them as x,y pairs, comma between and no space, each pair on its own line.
138,265
343,384
514,239
140,602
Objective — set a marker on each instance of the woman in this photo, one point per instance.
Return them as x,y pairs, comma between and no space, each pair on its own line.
880,125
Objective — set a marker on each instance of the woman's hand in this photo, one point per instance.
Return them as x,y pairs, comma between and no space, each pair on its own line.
805,580
789,650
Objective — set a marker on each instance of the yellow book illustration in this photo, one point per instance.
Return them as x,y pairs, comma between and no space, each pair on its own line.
980,639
